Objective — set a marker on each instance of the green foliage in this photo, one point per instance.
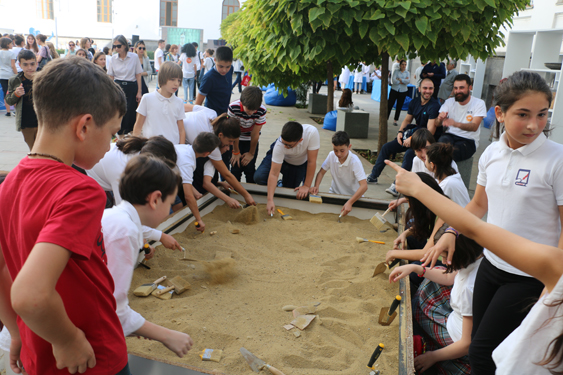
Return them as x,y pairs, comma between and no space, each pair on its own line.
288,42
150,54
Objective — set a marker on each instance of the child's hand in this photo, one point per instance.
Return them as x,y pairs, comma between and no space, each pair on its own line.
77,354
20,91
406,182
178,342
346,209
151,253
302,191
401,241
390,256
170,242
201,227
402,272
446,244
15,349
139,97
233,203
235,159
249,200
196,193
270,208
424,361
314,190
246,158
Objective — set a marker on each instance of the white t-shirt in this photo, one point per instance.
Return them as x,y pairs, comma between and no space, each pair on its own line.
16,52
527,344
461,299
123,239
417,73
197,121
124,69
419,166
6,57
5,340
188,65
108,172
209,63
187,163
465,113
162,116
524,189
298,154
346,177
158,53
454,188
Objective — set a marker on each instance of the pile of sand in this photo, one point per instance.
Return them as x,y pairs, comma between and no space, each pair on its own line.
248,216
308,260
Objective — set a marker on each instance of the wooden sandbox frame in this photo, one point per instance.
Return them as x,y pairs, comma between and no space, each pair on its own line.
363,209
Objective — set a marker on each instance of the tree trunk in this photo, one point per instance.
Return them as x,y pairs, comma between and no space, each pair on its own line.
330,88
384,102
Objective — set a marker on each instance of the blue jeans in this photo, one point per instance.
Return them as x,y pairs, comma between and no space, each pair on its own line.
293,175
387,150
188,83
238,81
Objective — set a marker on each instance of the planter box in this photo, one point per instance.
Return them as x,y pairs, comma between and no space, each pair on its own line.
355,123
317,104
465,168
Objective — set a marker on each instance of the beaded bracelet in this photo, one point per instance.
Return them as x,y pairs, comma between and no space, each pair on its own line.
423,272
452,231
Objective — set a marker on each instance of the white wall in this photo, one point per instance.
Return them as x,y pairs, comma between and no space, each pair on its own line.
78,18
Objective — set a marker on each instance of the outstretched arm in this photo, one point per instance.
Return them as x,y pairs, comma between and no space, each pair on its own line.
540,261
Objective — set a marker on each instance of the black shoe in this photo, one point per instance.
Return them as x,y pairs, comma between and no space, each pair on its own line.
8,114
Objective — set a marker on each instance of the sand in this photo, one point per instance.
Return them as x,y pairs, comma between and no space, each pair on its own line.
311,259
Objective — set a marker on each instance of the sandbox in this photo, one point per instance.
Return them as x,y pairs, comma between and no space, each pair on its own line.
310,260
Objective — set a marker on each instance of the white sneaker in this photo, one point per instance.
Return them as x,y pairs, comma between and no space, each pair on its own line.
392,190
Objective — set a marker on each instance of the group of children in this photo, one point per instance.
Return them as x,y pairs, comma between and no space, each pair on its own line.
487,323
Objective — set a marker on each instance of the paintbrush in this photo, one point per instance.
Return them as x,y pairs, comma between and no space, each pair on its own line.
284,216
379,220
360,240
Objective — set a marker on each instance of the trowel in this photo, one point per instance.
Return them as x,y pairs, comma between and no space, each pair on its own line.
382,267
256,364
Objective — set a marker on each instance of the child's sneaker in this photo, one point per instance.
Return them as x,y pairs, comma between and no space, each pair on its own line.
392,190
371,180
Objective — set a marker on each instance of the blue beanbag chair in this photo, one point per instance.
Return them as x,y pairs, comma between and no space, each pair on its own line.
330,121
265,88
405,104
2,106
272,97
490,119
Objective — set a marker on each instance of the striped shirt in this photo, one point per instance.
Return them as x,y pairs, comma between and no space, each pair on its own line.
247,122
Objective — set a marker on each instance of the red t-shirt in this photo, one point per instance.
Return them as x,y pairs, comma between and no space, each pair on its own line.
46,201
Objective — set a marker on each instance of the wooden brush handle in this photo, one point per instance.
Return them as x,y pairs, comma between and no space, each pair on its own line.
165,290
274,370
158,281
386,212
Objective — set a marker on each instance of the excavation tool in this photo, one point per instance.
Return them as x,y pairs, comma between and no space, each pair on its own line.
146,289
284,216
360,240
379,220
382,267
256,364
375,356
339,217
386,315
315,198
180,284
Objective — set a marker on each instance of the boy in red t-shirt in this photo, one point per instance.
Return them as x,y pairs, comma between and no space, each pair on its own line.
52,243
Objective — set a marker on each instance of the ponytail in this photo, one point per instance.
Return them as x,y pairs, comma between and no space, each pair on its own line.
229,126
157,146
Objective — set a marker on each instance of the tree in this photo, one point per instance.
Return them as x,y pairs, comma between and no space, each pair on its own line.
287,42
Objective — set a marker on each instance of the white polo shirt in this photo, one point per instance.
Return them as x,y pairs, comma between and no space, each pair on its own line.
187,163
108,172
524,189
158,53
346,177
527,344
124,69
454,188
197,121
419,166
298,154
162,115
465,113
461,299
123,238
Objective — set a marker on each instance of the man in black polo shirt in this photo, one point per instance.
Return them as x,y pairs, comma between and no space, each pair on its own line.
424,109
436,72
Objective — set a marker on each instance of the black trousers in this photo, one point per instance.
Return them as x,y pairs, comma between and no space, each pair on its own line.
501,300
464,148
250,168
128,121
317,86
399,97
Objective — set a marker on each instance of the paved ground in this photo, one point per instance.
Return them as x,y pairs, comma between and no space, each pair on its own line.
13,147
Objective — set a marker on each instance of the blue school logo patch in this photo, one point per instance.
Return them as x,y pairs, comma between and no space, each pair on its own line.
522,177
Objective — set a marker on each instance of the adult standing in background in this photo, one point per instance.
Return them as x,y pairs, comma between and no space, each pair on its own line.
159,58
198,61
418,78
86,45
141,51
399,81
71,51
447,86
32,44
436,72
44,55
237,69
7,68
125,69
344,77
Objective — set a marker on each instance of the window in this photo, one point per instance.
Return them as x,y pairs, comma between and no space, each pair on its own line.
168,12
45,9
104,11
229,6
